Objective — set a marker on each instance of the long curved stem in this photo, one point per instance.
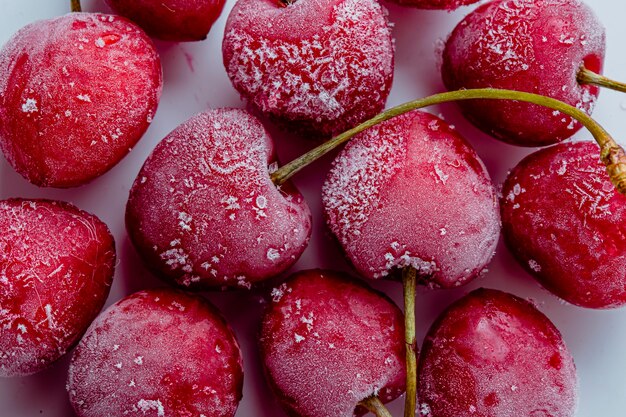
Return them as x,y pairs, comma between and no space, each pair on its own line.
612,155
586,76
376,406
409,282
76,6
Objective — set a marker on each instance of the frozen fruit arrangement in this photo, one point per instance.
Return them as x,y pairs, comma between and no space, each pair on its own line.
320,65
329,342
172,20
159,353
495,355
76,93
56,269
411,192
564,222
203,211
537,46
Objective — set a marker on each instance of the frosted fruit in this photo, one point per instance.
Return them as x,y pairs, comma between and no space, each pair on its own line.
203,211
157,353
56,268
566,224
412,192
434,4
321,65
536,46
172,20
76,93
493,354
328,342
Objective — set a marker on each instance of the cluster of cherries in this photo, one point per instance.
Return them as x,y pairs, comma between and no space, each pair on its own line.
211,209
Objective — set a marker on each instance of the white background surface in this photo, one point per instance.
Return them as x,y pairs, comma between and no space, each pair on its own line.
195,79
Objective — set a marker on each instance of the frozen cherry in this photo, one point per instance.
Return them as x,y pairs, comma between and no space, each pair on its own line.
410,192
537,46
56,268
495,355
329,342
158,353
434,4
565,223
76,93
203,211
325,65
172,20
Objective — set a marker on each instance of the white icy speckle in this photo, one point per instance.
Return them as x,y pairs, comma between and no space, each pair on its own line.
30,106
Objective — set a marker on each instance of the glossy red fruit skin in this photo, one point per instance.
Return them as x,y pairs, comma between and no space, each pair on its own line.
56,269
328,341
434,4
203,212
171,20
492,354
318,66
157,352
76,93
412,192
564,221
536,46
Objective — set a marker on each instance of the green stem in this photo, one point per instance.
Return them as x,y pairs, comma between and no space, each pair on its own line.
409,282
76,6
611,153
376,406
586,76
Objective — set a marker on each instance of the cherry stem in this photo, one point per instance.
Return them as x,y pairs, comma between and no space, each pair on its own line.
76,6
409,282
586,76
612,155
376,406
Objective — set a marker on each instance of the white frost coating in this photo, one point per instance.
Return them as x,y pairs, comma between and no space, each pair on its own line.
149,405
333,77
30,106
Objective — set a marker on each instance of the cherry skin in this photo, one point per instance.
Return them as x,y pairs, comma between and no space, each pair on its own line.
322,66
76,93
410,192
537,46
328,342
493,354
171,20
203,212
56,269
159,353
434,4
564,222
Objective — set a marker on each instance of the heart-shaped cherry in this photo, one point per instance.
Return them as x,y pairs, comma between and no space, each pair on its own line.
203,211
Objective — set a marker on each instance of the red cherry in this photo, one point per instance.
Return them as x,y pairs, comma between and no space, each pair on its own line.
434,4
411,192
328,342
203,211
172,20
564,222
324,65
494,354
537,46
76,93
56,268
160,353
